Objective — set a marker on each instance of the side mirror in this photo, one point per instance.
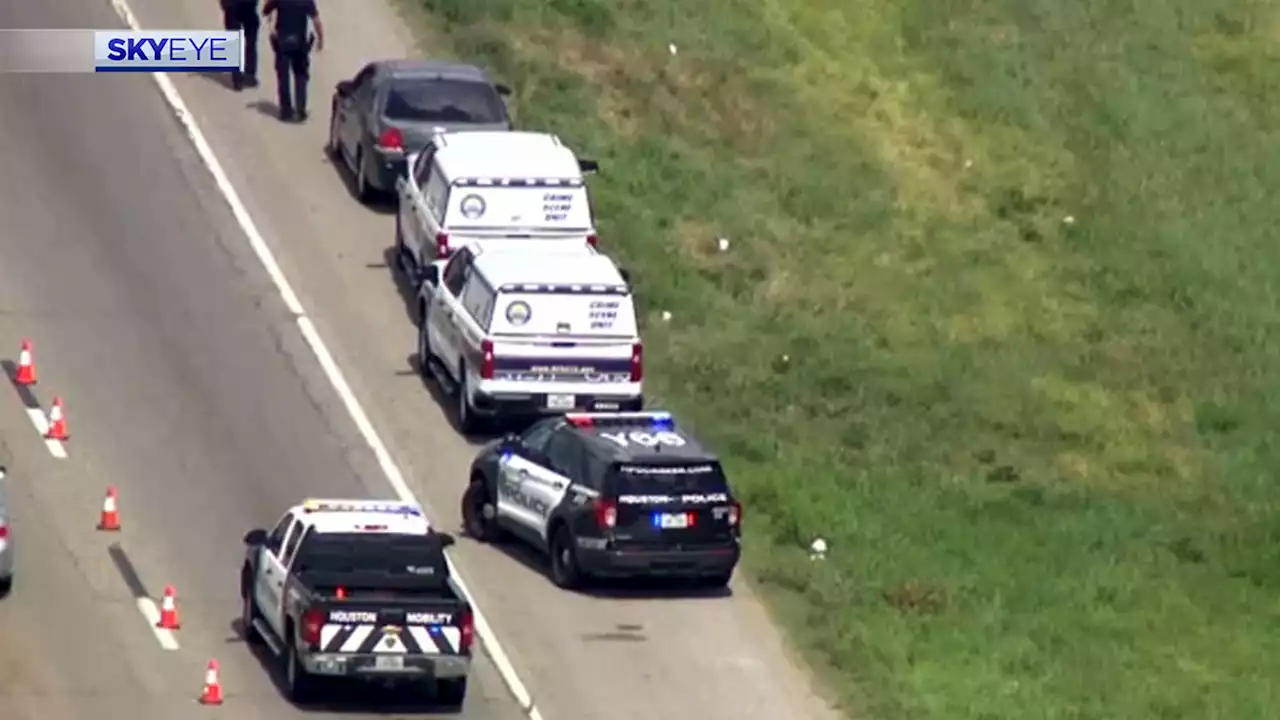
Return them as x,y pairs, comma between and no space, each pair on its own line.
446,540
431,274
626,275
503,90
343,88
588,167
256,537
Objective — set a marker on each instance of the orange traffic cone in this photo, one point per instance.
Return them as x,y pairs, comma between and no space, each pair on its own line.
212,694
57,422
110,515
169,610
26,371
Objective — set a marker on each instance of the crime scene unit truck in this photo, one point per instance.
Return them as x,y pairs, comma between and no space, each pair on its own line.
519,335
490,185
608,494
357,589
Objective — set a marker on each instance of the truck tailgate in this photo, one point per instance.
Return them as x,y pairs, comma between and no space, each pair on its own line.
410,628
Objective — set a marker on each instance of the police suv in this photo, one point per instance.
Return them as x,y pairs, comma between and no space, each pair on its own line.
525,334
358,589
608,494
490,185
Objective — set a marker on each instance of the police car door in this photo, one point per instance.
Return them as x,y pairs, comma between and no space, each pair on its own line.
416,221
272,571
526,487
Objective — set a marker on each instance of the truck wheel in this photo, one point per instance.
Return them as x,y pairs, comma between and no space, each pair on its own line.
425,354
300,683
249,613
451,692
564,562
364,191
479,514
468,423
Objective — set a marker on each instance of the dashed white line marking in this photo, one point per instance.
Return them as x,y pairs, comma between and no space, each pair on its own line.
489,641
151,612
41,423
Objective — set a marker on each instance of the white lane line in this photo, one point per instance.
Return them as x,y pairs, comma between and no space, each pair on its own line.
41,423
332,372
151,612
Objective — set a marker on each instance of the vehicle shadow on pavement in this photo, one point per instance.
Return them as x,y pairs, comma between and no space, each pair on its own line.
385,204
349,697
217,78
404,285
447,403
610,588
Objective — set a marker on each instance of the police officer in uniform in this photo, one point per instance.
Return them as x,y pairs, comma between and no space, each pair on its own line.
243,15
292,43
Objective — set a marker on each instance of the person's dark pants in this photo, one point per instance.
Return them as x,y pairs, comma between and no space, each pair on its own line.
245,17
292,62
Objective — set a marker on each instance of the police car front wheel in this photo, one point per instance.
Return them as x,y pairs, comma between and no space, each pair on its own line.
479,516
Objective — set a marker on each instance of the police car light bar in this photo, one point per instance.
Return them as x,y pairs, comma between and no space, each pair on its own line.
586,420
369,506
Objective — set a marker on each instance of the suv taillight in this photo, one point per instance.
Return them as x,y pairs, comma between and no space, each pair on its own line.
735,514
486,359
312,621
637,362
442,245
606,514
593,240
468,632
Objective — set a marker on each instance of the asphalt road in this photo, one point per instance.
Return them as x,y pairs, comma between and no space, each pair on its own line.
188,386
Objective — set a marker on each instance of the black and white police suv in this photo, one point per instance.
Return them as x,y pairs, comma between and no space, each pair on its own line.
608,494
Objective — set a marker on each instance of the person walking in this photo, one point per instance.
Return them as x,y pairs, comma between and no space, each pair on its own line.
242,15
292,42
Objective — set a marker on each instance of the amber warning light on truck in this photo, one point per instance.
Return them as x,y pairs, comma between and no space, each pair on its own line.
90,51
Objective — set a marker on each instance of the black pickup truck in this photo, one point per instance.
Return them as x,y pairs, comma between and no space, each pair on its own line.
355,603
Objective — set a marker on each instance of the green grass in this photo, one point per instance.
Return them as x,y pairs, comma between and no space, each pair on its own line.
999,322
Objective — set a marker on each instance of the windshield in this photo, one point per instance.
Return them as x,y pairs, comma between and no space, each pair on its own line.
668,479
444,101
372,553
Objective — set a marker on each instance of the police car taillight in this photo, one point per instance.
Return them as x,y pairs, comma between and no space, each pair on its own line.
468,632
637,362
312,621
391,140
442,245
340,593
593,240
486,359
735,514
4,531
606,514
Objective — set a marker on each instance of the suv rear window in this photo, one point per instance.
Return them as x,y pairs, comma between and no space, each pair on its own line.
670,478
419,556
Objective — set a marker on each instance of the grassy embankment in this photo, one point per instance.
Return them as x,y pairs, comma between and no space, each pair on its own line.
999,321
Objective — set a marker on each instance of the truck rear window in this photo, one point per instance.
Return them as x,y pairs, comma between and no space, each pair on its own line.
371,554
670,479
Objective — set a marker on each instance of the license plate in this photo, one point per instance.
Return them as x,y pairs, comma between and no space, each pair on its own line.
560,402
669,521
388,662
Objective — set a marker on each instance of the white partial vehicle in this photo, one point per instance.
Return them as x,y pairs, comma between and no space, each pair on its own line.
487,185
520,335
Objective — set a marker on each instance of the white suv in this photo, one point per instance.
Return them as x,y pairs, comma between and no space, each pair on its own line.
517,334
